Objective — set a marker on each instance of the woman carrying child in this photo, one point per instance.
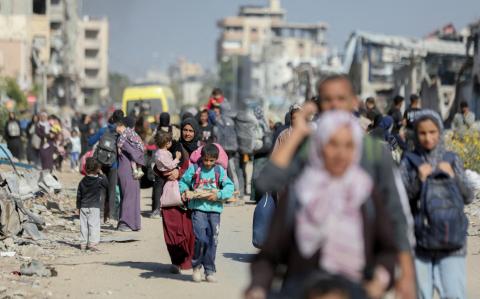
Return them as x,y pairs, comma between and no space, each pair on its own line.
177,221
128,155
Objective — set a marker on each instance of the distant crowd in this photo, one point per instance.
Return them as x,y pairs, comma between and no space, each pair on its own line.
352,203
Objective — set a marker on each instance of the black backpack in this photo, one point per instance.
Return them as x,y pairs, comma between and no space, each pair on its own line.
440,222
106,151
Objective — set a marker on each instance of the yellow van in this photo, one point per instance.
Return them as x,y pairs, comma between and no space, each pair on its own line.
149,99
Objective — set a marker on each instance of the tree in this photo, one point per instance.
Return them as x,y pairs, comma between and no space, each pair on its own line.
117,83
10,87
226,77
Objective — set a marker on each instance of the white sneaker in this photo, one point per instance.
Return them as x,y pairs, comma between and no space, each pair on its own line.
197,274
211,278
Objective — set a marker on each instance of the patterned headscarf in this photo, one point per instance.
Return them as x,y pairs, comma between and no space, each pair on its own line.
330,217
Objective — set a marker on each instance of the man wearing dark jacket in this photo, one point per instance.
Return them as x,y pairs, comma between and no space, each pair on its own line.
109,171
396,113
336,93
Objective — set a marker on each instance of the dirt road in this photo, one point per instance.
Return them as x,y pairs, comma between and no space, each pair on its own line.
140,269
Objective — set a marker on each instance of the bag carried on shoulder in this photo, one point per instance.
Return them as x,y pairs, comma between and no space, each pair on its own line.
262,217
13,129
440,223
106,151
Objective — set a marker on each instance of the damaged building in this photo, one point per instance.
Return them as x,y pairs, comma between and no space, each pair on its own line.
44,45
384,65
468,84
263,52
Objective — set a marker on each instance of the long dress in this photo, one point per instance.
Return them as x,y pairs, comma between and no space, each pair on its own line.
129,187
178,229
14,143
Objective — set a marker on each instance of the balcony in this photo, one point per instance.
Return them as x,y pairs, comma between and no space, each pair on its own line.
92,63
94,83
93,44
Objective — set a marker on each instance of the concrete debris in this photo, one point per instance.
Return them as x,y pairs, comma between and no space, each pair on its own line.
7,253
30,230
38,269
9,243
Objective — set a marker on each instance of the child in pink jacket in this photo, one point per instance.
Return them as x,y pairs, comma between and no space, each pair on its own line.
164,162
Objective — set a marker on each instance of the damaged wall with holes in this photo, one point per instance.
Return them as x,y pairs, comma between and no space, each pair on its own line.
384,65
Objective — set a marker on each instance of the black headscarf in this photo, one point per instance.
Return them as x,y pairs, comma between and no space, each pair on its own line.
130,122
190,146
187,115
164,119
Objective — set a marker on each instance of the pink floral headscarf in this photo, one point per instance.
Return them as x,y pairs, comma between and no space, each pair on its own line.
330,217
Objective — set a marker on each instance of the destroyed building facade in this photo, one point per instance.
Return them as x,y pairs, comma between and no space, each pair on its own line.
384,65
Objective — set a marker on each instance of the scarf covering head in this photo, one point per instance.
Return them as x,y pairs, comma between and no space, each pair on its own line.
330,217
190,146
164,123
434,156
164,119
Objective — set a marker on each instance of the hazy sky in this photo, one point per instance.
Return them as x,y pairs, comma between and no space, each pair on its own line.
150,34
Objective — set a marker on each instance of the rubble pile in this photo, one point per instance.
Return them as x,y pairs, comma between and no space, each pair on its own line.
37,225
473,213
473,209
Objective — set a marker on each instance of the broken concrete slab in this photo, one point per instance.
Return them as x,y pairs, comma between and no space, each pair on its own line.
10,222
31,230
37,268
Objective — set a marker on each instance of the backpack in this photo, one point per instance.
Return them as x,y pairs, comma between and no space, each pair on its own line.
440,223
13,129
226,134
249,133
198,170
106,151
222,160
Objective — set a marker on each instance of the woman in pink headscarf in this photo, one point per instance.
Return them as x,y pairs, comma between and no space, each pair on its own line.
333,225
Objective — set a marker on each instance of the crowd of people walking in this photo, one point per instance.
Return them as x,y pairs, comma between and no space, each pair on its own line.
365,202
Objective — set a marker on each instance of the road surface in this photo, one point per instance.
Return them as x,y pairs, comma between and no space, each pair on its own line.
141,269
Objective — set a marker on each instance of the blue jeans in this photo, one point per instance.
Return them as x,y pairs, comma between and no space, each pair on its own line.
74,156
446,274
206,227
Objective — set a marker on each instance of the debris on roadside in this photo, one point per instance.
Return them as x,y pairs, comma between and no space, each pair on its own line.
38,269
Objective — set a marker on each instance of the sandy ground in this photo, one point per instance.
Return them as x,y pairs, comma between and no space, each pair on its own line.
141,269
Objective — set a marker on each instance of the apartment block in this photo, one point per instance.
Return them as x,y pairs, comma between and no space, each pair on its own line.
264,49
92,59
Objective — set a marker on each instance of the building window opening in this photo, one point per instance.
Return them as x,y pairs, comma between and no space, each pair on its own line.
39,7
91,73
91,34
